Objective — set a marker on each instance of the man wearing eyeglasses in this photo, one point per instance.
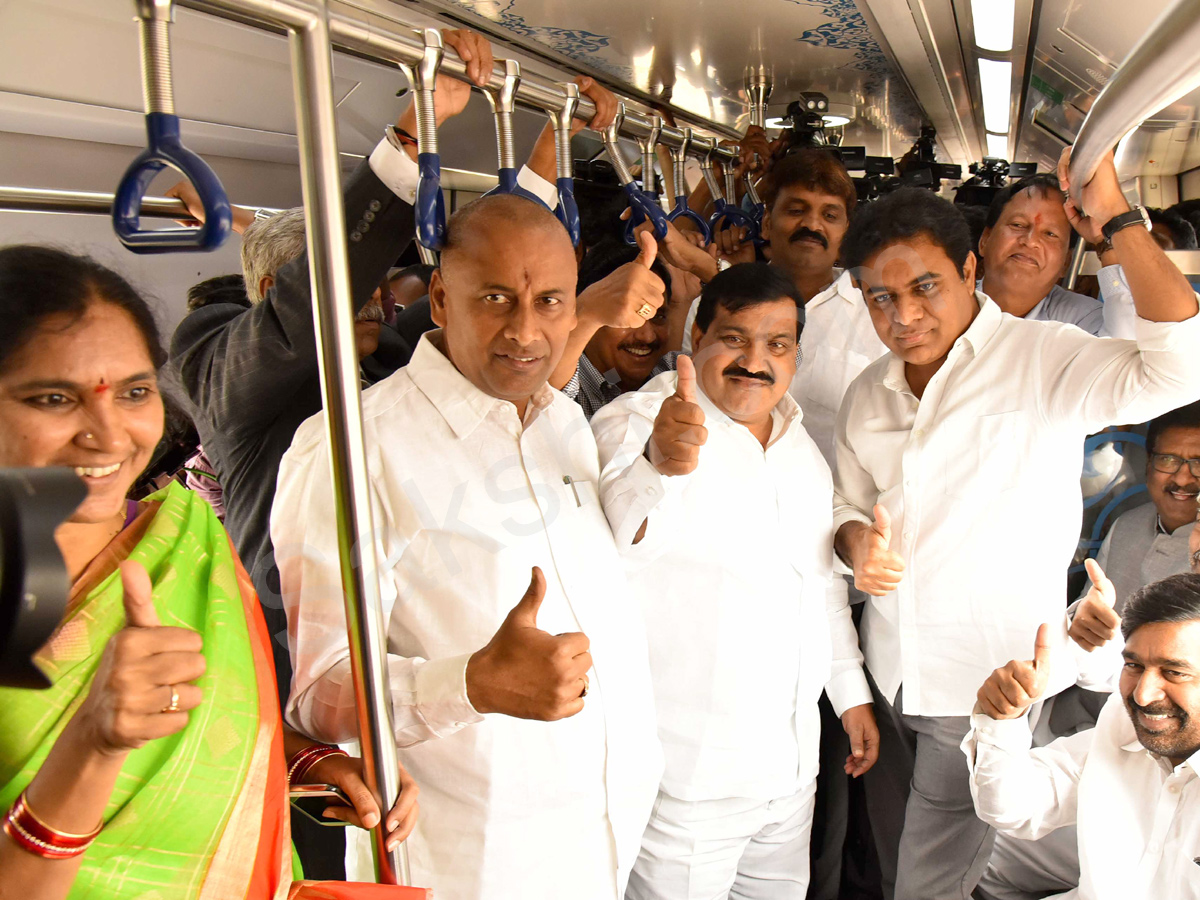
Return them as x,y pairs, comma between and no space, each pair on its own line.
1144,546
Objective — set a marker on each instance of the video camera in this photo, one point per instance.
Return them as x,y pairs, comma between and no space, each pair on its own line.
988,177
33,577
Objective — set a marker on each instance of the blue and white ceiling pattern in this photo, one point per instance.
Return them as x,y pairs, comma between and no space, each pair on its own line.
694,54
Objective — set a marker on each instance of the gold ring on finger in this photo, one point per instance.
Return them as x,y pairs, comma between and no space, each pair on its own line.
173,706
646,311
584,692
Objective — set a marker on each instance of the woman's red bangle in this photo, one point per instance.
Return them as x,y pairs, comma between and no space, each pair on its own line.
30,833
303,762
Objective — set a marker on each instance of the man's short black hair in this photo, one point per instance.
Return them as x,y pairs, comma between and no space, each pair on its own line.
1183,235
902,215
423,271
1174,599
745,285
1184,417
1043,184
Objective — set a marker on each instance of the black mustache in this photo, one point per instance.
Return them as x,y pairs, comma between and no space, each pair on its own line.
1157,710
1173,488
802,232
739,372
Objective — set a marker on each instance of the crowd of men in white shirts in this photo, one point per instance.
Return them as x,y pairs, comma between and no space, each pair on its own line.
608,641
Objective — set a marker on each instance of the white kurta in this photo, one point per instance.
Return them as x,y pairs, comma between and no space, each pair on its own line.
734,577
981,477
466,499
1138,818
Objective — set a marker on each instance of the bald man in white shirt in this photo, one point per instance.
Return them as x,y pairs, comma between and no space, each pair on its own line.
721,503
1130,784
958,454
518,663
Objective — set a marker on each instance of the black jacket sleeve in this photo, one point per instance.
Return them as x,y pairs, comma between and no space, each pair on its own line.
238,368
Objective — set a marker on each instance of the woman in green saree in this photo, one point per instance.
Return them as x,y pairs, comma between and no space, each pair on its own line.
154,767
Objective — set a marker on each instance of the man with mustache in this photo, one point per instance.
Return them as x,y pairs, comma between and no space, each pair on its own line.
616,360
810,198
720,502
945,446
1130,784
1144,545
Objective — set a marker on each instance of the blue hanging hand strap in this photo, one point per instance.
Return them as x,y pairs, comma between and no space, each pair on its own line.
431,205
508,185
729,215
643,207
683,211
164,149
567,210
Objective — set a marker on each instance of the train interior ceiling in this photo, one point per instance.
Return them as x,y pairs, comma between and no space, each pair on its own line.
1010,79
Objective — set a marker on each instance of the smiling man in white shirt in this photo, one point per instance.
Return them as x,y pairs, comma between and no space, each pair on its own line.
721,503
944,447
528,721
1130,784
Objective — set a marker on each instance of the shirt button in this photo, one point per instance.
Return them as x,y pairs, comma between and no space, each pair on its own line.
919,433
364,227
374,206
355,236
650,491
1152,847
908,535
368,216
1174,789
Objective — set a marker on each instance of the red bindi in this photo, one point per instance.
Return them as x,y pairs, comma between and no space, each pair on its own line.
101,388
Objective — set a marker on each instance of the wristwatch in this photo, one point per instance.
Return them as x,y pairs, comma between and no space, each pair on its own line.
1136,216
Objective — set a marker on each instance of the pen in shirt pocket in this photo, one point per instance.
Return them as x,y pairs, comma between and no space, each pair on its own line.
570,482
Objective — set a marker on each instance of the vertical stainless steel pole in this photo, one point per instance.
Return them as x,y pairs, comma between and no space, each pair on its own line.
333,314
1076,265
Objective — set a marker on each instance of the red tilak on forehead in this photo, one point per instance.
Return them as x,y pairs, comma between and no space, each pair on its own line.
101,388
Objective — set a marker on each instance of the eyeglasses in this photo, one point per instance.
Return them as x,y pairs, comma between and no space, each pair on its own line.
1169,463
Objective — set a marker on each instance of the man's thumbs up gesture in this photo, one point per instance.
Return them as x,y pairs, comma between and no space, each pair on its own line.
1096,622
1012,689
877,568
527,673
679,430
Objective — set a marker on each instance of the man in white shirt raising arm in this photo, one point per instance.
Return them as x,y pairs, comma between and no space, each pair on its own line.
523,706
958,453
721,503
1130,784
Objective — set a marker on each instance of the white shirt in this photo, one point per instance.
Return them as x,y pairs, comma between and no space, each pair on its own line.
466,500
733,575
1138,818
981,477
837,343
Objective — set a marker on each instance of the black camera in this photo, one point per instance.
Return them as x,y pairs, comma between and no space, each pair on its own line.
33,577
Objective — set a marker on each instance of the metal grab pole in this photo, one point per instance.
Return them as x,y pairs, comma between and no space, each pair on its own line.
45,200
333,313
333,310
1163,67
1076,265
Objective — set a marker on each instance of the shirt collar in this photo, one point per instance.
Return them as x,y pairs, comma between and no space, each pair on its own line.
842,286
460,402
